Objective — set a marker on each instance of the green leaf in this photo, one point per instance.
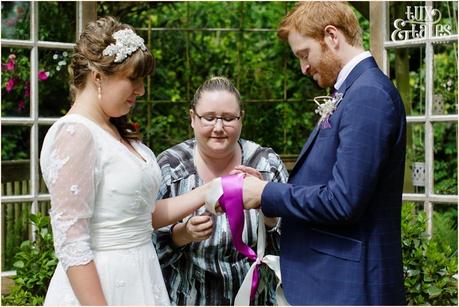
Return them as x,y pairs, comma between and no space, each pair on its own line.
18,264
433,291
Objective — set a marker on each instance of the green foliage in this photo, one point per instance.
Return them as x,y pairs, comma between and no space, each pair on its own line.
430,273
445,230
34,263
17,229
235,39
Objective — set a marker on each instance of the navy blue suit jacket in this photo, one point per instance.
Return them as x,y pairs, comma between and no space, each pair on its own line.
341,210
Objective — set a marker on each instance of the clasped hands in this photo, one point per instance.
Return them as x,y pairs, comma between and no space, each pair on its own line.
200,227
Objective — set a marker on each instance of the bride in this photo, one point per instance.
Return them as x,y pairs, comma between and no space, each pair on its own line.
103,181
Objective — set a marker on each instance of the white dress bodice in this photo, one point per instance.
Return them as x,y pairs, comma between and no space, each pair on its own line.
102,194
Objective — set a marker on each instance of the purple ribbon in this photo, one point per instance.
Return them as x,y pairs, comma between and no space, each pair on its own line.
231,202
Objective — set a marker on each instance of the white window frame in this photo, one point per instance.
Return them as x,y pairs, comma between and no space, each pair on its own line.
379,19
85,11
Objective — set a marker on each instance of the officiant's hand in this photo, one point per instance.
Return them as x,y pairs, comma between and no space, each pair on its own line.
253,187
200,227
195,229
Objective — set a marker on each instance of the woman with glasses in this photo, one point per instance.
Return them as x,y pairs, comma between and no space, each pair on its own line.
199,263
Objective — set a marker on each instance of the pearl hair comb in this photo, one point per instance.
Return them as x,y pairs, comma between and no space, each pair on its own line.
127,42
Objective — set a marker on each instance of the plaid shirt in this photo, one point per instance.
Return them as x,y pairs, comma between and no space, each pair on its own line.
210,272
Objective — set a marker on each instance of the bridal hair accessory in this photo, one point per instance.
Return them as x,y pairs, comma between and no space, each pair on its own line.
127,42
326,108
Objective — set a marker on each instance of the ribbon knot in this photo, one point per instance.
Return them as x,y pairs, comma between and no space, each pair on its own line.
227,191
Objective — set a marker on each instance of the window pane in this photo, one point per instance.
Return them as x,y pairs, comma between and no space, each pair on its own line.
415,159
42,130
15,143
447,19
53,88
15,19
407,71
445,158
15,82
444,230
445,79
15,225
57,21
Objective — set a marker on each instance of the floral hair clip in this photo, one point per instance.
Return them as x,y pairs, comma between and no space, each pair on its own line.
127,42
326,108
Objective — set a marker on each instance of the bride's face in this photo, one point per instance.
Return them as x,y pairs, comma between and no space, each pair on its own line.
119,93
216,121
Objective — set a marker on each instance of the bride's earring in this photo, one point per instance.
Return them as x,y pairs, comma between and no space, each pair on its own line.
99,92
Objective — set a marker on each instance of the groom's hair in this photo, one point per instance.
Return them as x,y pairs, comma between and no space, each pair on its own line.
311,18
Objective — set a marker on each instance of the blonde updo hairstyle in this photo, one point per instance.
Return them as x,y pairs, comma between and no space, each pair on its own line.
216,83
87,57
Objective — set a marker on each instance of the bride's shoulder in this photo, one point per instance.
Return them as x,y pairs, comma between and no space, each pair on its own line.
69,129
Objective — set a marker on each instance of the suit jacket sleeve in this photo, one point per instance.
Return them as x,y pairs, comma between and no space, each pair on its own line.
366,130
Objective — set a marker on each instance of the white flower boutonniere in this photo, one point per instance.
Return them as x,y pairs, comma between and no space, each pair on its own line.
326,108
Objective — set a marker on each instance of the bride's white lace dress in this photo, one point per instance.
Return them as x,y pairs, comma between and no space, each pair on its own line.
102,196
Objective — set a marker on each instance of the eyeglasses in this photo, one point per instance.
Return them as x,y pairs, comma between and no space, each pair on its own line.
211,120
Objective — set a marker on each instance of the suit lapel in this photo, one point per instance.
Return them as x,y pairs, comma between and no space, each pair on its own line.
355,73
302,155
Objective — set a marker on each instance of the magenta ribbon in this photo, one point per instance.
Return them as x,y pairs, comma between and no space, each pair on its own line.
231,202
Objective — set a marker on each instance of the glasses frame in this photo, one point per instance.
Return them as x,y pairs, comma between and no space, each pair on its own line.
221,118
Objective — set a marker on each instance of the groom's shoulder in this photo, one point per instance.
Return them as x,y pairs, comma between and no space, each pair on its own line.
375,84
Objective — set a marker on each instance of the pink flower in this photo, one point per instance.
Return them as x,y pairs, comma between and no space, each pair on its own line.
10,85
27,89
10,63
43,75
21,105
10,22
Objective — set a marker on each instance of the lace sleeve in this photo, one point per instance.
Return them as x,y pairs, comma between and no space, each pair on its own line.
68,163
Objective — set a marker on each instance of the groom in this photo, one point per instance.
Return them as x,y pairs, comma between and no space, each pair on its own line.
340,232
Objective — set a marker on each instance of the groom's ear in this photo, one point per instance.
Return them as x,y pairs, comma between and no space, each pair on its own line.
331,36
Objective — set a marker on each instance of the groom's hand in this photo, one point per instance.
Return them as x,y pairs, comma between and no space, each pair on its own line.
253,187
246,170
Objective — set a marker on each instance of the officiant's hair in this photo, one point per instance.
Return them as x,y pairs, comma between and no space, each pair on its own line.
311,17
216,83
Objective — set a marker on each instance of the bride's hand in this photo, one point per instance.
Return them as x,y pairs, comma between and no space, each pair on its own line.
199,228
246,170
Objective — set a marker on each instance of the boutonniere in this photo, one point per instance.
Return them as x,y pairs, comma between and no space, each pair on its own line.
326,105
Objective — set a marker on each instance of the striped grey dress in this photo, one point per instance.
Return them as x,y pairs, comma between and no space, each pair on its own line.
210,272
